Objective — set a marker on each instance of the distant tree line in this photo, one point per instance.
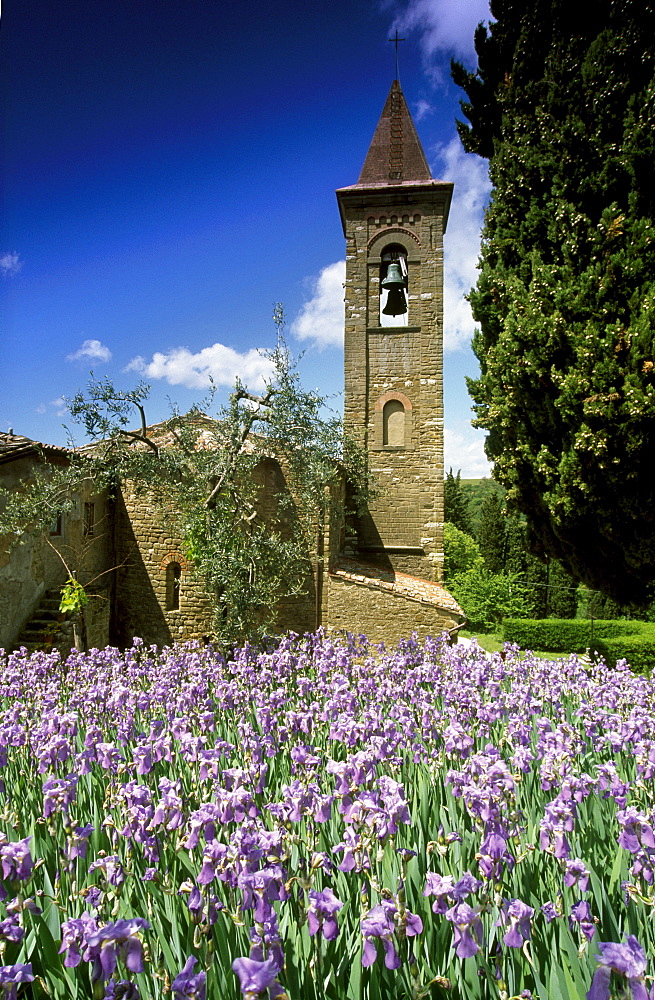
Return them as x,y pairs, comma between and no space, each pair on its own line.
491,571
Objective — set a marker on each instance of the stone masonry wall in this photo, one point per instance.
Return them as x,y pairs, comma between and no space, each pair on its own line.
148,546
405,527
382,615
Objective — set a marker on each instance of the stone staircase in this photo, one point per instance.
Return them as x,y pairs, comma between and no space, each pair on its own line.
48,628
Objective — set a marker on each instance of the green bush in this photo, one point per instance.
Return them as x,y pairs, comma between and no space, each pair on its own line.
487,598
638,649
613,639
461,551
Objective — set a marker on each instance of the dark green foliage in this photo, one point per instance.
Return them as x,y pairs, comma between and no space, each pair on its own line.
637,650
633,641
561,593
566,635
456,504
563,104
492,533
592,604
475,492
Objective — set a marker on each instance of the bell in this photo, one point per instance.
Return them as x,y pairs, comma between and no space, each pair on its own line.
394,278
396,303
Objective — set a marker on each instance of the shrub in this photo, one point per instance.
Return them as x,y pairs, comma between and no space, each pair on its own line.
461,551
638,649
614,639
488,598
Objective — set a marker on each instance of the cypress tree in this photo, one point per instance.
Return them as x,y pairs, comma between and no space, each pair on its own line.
492,533
563,105
456,506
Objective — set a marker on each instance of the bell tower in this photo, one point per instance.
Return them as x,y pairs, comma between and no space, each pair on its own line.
394,219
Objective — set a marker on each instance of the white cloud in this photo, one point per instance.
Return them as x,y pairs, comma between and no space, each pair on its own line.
218,364
137,364
10,264
445,25
321,319
462,239
422,109
60,406
465,450
91,350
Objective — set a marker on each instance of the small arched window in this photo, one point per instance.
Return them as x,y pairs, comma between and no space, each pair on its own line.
173,586
394,309
393,424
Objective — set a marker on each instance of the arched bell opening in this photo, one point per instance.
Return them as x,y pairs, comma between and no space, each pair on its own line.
394,303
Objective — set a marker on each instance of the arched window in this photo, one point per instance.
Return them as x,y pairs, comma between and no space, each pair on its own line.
173,586
394,310
393,424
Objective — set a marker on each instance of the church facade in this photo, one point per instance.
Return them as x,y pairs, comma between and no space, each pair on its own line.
384,576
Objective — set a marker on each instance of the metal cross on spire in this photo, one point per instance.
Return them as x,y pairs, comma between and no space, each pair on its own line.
396,39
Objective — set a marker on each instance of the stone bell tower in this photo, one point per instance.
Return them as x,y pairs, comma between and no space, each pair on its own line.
394,219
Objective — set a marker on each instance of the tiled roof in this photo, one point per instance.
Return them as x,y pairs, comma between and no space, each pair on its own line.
395,154
15,446
412,587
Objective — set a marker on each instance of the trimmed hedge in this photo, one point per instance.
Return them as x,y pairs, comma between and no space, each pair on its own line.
614,640
638,650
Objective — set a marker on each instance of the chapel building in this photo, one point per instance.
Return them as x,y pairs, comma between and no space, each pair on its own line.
381,576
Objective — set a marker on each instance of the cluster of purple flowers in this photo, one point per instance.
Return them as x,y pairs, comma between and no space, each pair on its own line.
294,802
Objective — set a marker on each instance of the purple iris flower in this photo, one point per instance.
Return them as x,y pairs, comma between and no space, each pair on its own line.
518,915
122,989
379,923
467,929
16,860
58,793
78,842
10,929
256,977
112,868
581,914
321,914
114,941
576,873
636,831
11,976
187,986
627,960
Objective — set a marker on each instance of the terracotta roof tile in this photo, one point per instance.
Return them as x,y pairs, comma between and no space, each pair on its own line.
15,446
412,587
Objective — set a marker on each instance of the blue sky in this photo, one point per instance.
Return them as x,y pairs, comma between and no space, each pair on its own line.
169,172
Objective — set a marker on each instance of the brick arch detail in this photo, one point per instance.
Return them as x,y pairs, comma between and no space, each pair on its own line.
400,396
384,234
177,557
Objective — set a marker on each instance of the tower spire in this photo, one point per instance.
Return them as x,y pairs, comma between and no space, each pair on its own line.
395,154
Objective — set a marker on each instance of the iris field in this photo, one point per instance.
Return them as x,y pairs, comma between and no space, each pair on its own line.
325,820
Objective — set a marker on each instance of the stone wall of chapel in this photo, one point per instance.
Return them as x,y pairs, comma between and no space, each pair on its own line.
146,546
33,567
382,615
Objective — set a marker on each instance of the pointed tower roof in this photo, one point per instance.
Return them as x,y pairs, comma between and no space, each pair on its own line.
395,154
